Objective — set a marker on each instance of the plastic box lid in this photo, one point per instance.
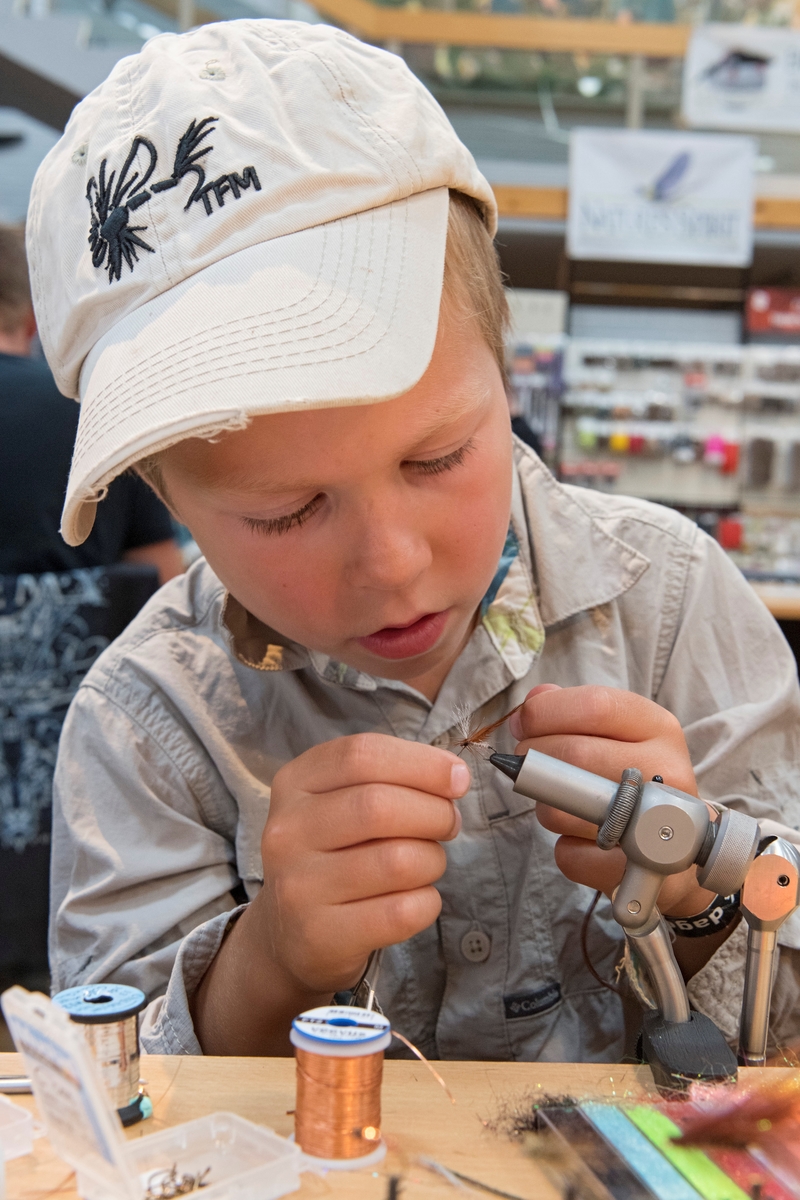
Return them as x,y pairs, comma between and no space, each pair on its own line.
16,1129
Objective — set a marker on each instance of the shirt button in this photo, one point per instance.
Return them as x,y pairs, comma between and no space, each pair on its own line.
476,946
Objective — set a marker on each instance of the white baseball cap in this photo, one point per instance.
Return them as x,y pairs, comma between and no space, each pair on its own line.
243,219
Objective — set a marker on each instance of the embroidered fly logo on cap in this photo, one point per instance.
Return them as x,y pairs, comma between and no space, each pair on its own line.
112,238
187,159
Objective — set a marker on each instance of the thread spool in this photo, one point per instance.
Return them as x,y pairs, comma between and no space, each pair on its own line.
108,1014
339,1053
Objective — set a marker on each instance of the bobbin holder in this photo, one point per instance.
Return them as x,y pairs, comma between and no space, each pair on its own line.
662,831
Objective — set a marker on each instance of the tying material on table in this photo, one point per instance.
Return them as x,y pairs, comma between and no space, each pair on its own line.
339,1051
232,1157
108,1017
713,1143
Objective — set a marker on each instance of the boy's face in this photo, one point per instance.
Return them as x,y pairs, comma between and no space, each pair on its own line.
372,532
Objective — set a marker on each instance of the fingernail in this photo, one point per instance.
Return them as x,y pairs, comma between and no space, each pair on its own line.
458,822
460,778
515,726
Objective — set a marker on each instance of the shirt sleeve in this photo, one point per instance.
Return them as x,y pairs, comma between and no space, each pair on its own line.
141,881
731,680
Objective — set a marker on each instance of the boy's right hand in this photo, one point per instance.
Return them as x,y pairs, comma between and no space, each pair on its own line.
351,851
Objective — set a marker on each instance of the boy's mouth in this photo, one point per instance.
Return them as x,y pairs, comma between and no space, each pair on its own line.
406,641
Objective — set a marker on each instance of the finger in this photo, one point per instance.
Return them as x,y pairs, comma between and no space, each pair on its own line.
515,721
378,758
357,815
386,920
379,810
336,942
559,822
379,869
609,758
584,863
598,711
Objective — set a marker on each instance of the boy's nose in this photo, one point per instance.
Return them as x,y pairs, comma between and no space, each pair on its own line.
388,555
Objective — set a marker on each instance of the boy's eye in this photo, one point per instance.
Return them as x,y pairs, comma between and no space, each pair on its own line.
435,466
273,525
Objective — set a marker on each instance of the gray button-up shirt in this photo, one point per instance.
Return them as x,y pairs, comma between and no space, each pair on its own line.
163,779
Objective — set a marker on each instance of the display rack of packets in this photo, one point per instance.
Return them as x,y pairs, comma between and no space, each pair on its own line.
681,423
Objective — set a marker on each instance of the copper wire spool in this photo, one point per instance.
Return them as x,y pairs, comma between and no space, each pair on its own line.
339,1052
338,1113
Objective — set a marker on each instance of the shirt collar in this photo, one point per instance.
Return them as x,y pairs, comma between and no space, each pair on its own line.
578,564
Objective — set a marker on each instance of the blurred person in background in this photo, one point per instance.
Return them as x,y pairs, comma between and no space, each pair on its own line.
37,433
59,607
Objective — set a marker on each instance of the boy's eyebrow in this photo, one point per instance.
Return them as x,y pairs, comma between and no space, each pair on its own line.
248,484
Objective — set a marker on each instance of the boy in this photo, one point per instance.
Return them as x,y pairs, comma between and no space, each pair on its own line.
289,318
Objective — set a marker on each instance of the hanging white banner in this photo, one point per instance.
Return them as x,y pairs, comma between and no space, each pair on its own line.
742,77
640,196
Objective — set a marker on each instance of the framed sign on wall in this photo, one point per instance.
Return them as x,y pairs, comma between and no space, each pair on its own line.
643,196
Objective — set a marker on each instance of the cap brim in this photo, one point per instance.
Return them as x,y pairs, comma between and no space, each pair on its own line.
339,314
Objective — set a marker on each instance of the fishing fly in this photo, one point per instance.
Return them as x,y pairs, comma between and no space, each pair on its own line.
475,739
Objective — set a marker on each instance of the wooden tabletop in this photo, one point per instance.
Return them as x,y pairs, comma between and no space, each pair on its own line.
418,1120
782,599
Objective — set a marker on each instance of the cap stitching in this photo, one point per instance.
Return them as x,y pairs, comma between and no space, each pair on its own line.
95,431
374,131
318,361
228,329
223,332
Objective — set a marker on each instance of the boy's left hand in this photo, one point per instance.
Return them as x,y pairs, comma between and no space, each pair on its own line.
604,730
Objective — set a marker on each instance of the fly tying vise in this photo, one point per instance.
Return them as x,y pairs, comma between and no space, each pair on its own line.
662,832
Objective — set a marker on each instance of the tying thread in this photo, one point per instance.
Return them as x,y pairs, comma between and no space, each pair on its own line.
338,1111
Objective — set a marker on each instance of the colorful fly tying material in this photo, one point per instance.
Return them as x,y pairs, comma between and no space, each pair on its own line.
656,1173
727,1149
763,1117
339,1052
736,1118
704,1175
597,1153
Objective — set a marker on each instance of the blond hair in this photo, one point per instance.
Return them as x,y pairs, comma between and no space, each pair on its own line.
472,290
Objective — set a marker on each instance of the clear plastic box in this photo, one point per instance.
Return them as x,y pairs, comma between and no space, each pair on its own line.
242,1160
235,1159
16,1129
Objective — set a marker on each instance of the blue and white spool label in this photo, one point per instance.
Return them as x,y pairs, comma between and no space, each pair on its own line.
101,1002
342,1026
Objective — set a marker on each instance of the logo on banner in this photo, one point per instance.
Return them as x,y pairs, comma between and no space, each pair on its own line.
640,196
668,184
742,77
